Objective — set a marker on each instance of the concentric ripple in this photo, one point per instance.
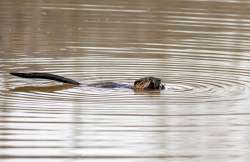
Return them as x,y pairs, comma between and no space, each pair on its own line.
206,85
207,89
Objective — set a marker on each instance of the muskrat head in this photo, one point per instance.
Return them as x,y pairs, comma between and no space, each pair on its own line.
150,83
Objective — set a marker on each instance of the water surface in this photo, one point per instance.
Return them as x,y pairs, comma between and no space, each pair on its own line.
199,48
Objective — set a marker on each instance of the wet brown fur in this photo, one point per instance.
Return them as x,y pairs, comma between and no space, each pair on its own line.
149,83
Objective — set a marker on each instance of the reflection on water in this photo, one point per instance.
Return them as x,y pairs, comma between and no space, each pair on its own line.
46,88
200,49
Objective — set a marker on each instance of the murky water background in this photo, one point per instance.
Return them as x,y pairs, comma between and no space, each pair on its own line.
199,48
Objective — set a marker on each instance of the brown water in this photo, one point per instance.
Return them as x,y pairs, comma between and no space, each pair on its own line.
200,49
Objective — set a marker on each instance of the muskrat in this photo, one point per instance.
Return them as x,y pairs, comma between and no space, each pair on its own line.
146,83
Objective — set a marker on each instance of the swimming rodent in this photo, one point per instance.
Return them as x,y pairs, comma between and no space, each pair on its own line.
146,83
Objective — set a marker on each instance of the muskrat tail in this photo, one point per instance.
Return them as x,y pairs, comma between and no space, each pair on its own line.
46,76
